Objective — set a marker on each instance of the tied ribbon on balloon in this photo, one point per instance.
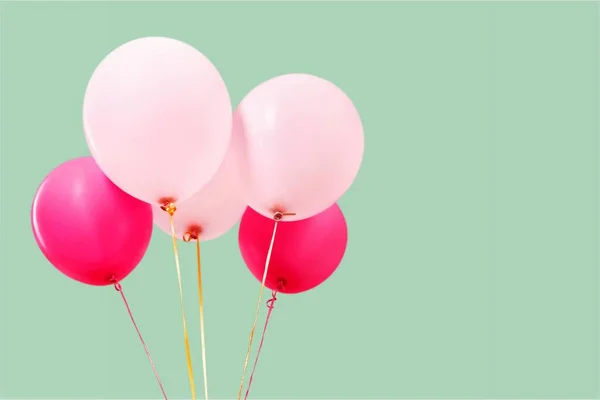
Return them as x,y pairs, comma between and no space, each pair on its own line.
277,217
170,208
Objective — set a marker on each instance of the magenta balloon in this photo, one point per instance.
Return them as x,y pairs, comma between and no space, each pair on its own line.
157,118
305,252
87,227
303,145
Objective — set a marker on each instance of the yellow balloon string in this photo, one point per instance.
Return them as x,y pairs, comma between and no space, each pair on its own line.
201,301
277,217
170,209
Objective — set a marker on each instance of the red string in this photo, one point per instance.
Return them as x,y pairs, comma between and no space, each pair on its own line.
119,289
270,305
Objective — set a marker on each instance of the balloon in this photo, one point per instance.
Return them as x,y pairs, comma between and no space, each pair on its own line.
305,253
157,119
303,145
212,211
87,227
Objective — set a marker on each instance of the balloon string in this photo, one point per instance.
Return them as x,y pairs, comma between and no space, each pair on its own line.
202,336
277,217
171,210
270,305
120,290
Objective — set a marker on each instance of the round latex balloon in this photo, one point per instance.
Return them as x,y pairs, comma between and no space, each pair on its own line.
157,119
305,253
87,227
215,209
303,145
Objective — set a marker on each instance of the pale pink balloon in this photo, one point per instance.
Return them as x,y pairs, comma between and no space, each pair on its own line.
157,118
216,208
303,145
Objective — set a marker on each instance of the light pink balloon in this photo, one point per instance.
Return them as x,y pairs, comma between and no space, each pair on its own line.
216,208
157,118
303,145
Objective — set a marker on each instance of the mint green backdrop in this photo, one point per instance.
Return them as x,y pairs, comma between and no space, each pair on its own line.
472,265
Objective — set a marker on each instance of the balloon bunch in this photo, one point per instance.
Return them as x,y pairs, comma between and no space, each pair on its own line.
167,149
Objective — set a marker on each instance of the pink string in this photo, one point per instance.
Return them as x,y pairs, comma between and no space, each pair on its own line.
119,289
270,305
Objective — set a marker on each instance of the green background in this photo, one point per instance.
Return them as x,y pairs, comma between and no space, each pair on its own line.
472,265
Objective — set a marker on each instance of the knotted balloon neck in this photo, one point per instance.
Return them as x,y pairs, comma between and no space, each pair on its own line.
193,233
169,207
278,216
280,286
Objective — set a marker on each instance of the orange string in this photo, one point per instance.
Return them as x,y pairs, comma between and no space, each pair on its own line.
202,336
170,209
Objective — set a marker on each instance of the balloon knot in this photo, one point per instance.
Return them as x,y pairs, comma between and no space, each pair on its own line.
280,285
271,301
169,207
278,216
193,233
115,283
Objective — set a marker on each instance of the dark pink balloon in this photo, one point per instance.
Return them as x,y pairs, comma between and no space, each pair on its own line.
305,253
87,227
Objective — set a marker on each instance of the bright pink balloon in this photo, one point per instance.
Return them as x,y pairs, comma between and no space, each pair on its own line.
305,253
303,145
215,209
157,118
87,227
